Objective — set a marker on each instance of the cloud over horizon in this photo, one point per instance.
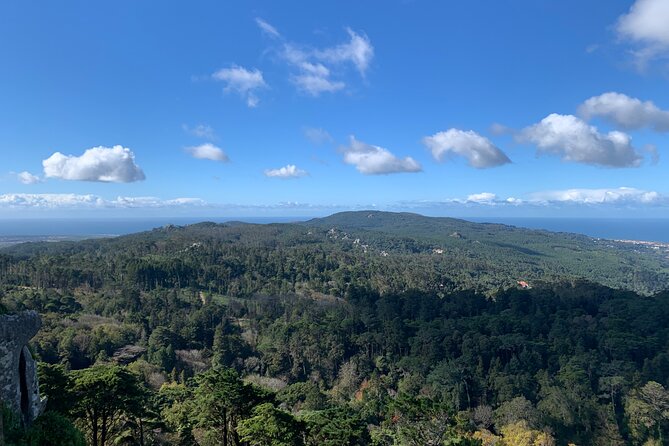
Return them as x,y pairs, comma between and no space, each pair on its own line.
478,150
483,197
104,164
611,198
52,202
573,140
620,195
77,201
594,198
375,160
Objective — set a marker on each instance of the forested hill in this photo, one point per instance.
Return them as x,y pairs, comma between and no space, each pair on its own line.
381,251
358,329
497,254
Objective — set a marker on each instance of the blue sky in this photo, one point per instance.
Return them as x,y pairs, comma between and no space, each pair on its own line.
512,108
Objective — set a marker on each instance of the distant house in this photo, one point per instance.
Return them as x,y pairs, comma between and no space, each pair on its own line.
524,285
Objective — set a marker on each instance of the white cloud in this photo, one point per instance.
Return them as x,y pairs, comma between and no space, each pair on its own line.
242,81
646,25
317,135
315,79
208,151
313,67
289,171
621,195
375,160
267,28
106,164
476,149
357,51
574,140
203,131
314,85
28,178
626,112
296,56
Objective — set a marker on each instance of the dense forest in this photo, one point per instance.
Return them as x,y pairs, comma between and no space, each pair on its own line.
357,329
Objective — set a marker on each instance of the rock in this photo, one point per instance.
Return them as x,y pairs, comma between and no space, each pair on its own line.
127,354
19,387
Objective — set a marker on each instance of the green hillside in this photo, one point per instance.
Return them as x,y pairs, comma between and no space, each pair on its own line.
508,252
361,328
387,252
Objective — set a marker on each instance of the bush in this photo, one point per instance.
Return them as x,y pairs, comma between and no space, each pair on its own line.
53,429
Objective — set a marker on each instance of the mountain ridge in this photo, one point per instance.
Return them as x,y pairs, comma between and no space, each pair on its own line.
382,250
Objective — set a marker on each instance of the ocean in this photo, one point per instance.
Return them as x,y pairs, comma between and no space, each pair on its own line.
621,228
647,229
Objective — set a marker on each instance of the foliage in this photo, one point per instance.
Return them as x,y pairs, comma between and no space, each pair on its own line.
385,252
355,347
56,385
104,396
334,427
647,410
54,429
222,400
11,427
269,426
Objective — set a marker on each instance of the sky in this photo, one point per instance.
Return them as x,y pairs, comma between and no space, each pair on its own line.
518,108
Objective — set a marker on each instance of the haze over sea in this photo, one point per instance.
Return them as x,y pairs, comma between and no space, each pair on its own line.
609,228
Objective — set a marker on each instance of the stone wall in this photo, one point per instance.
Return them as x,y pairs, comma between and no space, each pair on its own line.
19,388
